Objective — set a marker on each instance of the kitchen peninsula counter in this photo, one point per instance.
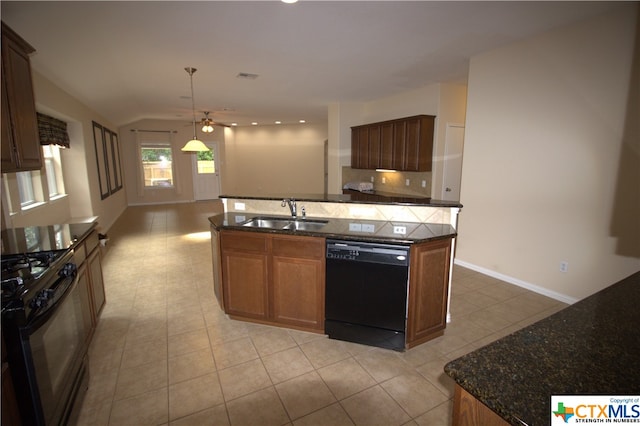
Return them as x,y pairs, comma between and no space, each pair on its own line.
590,347
342,229
355,197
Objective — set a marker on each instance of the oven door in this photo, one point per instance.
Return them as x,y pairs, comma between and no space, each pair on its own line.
56,342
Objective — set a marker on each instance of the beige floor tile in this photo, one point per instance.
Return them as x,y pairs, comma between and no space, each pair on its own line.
271,340
141,379
145,409
190,341
227,330
286,365
383,364
243,379
144,351
304,394
193,395
346,378
373,407
322,352
333,415
191,365
414,394
215,416
438,416
259,408
433,371
177,324
234,352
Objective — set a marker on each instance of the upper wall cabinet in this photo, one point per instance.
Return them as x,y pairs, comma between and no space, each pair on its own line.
405,144
20,145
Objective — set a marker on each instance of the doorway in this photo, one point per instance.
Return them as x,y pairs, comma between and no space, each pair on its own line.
452,164
206,173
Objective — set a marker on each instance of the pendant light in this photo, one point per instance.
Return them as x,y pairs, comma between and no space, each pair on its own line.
194,145
207,123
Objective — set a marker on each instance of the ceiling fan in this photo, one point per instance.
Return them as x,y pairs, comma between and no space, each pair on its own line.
207,123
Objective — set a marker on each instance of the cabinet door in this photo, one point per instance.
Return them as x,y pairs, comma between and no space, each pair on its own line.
21,104
374,147
217,265
386,146
418,147
428,289
97,282
245,274
298,281
88,318
399,130
360,147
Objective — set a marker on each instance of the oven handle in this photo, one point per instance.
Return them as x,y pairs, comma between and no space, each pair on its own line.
44,305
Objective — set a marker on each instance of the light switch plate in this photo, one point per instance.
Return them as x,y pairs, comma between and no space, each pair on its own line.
239,206
399,229
367,227
355,227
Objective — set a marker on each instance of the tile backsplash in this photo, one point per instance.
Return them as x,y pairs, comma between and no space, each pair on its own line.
387,212
395,182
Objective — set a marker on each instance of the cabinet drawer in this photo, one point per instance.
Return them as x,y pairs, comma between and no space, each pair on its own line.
246,241
310,247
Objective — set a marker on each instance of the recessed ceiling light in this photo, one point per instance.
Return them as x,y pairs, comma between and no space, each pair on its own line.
234,124
255,123
303,121
278,122
289,1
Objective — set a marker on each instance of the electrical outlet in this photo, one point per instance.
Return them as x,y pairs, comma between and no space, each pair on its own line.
424,183
356,227
371,179
239,206
564,266
399,229
407,182
367,227
384,179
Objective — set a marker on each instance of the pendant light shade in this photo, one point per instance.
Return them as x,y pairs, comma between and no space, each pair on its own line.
194,145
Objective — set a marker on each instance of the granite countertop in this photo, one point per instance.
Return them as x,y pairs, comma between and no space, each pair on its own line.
355,197
590,347
42,238
342,229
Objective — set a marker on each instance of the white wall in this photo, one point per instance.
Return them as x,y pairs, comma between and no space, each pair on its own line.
445,101
275,159
78,164
545,124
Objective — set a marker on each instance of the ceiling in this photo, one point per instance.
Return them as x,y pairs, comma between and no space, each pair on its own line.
126,60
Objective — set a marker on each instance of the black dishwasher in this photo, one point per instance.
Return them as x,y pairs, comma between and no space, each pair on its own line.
366,293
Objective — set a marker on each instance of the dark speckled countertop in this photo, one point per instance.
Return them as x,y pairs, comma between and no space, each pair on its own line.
339,228
590,347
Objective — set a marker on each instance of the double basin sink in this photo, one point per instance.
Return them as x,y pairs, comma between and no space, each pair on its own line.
285,223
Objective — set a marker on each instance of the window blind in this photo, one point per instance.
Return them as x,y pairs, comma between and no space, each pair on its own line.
52,131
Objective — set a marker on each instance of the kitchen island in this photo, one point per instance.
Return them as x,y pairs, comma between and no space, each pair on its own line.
269,257
589,348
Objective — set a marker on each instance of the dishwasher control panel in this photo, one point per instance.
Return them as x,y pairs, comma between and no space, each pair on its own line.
368,252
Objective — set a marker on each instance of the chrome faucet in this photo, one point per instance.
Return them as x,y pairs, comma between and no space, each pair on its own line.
292,206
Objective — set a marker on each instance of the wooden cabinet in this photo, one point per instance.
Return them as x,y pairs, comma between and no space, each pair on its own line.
468,411
428,290
273,279
217,265
404,144
20,141
87,257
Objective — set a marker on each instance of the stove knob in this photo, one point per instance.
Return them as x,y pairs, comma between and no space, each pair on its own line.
68,270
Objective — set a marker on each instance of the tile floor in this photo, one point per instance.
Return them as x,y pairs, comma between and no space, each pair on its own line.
165,354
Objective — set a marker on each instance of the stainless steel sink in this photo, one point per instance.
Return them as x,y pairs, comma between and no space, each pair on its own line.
267,222
306,225
284,223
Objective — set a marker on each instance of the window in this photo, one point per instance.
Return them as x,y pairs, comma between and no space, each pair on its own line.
25,188
206,163
157,163
53,170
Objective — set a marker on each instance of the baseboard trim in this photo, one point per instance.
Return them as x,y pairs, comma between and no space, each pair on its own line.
515,281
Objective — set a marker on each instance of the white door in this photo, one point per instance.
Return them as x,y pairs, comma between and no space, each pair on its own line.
206,173
452,165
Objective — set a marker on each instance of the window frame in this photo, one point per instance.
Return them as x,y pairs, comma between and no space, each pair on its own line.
149,144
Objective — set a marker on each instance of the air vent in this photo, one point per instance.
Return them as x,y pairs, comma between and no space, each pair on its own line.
247,76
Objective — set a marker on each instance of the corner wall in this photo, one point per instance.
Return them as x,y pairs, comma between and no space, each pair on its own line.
545,125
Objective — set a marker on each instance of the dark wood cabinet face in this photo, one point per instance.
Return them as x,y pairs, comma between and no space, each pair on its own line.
405,144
